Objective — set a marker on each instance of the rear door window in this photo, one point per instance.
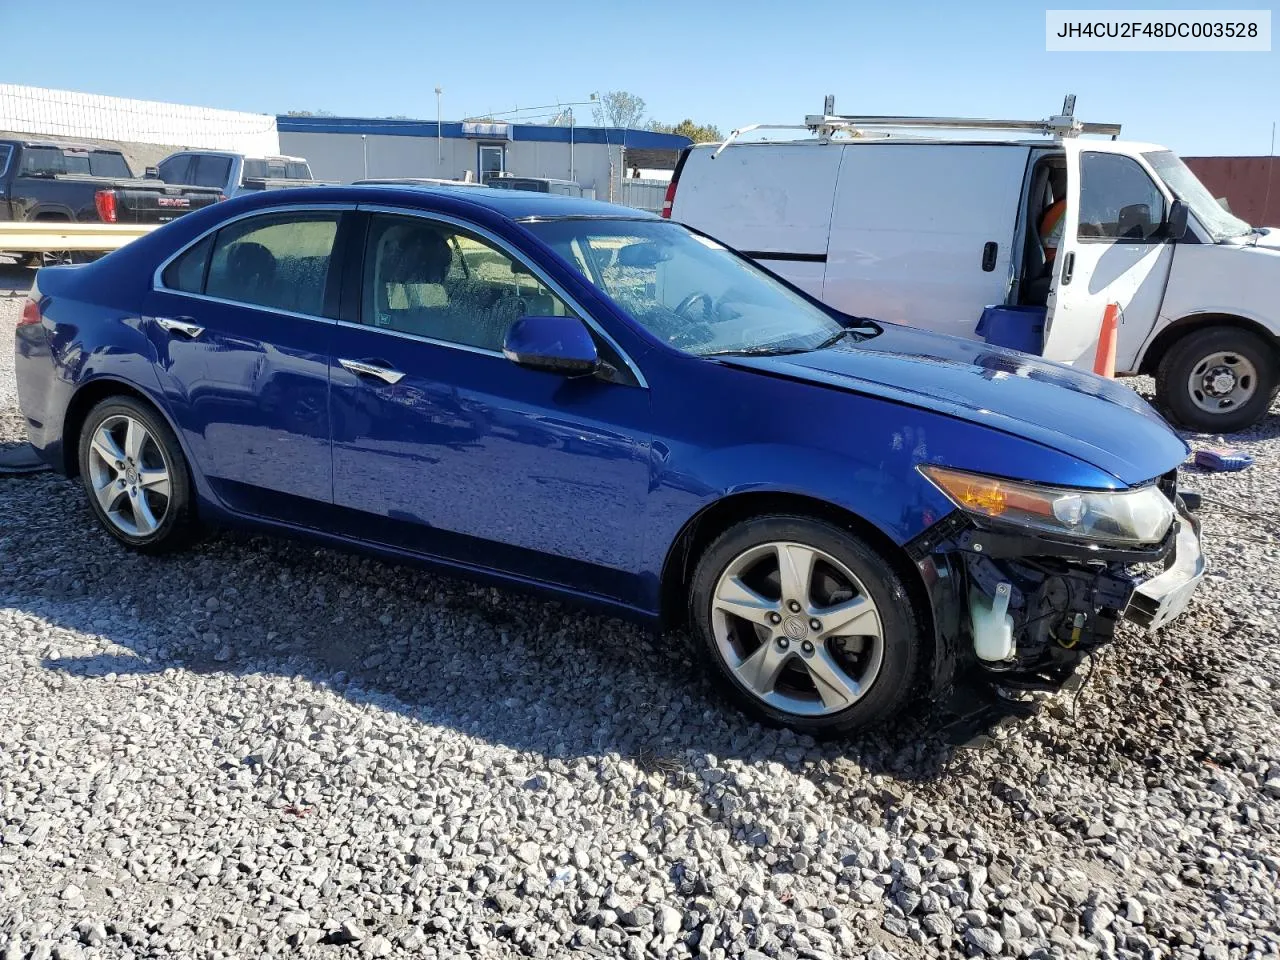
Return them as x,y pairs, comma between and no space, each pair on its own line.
6,152
278,261
176,169
212,171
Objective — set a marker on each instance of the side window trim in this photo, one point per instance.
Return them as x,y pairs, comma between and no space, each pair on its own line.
336,257
6,157
1156,238
505,249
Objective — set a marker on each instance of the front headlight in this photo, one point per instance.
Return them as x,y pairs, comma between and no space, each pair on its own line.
1138,516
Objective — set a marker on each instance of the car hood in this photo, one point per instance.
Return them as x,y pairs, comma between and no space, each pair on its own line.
1088,417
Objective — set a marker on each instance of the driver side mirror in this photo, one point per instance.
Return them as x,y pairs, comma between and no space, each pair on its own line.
555,344
151,173
1176,223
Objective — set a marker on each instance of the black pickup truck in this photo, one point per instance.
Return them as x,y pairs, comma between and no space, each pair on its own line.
85,184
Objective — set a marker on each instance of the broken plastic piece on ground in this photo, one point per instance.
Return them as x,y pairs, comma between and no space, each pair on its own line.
19,459
1220,459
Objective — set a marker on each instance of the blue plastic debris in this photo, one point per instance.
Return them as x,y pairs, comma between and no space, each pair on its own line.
1222,460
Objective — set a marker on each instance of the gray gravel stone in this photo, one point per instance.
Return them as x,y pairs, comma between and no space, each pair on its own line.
259,748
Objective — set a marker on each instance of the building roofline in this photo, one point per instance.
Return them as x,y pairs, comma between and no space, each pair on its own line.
452,130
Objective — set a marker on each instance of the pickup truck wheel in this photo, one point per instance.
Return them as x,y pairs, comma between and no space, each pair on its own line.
1218,380
806,625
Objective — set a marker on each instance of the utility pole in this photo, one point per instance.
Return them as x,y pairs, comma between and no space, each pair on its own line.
364,146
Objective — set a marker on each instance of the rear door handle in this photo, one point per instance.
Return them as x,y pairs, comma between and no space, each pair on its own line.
184,327
362,368
1068,267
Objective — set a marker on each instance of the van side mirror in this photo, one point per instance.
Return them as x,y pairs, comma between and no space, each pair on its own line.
555,344
1176,224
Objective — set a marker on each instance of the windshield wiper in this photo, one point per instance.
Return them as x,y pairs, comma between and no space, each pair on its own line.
764,350
758,351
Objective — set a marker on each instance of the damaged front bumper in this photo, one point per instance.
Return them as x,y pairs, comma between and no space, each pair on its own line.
1027,608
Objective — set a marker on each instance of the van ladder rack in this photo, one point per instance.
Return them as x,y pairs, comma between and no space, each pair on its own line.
1061,125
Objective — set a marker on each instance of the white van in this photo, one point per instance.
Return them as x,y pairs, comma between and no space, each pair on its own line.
929,231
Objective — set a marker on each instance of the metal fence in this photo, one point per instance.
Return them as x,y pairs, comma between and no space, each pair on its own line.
65,113
644,194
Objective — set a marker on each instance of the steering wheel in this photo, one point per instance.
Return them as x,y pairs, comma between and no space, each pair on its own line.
708,305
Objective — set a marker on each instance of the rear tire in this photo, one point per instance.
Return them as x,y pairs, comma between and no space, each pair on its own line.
1218,380
807,626
136,477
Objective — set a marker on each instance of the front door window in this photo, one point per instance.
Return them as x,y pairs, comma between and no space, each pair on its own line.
492,162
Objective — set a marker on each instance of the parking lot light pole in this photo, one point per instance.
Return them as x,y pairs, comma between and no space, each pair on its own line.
439,135
364,146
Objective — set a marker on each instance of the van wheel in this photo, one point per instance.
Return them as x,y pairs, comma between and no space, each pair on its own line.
1218,380
136,477
806,625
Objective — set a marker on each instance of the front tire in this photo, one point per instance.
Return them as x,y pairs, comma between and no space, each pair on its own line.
135,476
807,626
1218,380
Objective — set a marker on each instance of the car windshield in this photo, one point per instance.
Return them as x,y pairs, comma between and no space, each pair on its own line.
1187,187
689,290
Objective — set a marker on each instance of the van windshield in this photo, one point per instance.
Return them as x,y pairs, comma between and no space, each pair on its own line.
689,290
1187,187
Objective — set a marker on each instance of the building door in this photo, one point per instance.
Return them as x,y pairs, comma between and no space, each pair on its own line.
493,161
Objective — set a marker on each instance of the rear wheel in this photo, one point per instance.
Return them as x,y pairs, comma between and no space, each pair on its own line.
135,476
1218,380
807,626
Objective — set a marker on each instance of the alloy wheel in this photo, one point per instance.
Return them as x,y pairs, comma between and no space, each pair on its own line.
797,628
129,475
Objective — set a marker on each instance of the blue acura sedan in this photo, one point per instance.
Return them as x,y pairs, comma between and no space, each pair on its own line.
585,400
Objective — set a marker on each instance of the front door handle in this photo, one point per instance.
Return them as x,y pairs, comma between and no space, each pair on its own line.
184,327
363,369
1068,267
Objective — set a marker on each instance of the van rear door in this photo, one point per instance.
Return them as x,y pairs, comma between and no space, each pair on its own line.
1113,250
772,201
923,233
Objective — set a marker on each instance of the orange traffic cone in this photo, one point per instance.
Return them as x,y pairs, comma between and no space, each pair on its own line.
1104,361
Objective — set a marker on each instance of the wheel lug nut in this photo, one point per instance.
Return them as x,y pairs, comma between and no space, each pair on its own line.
775,618
807,647
793,606
815,625
783,643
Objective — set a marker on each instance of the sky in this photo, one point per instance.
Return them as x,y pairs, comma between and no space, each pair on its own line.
726,63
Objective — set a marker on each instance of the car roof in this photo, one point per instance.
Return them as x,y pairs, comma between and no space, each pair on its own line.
512,204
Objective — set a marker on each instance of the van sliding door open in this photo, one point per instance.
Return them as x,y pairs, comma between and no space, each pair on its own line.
1113,250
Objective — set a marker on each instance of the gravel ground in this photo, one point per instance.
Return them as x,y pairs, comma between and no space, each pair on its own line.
261,748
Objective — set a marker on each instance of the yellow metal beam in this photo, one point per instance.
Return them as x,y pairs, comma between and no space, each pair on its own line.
43,236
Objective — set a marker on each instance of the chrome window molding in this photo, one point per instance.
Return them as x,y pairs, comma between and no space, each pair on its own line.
243,305
6,157
404,335
504,248
157,278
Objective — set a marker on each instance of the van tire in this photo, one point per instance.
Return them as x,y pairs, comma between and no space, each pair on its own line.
1183,379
